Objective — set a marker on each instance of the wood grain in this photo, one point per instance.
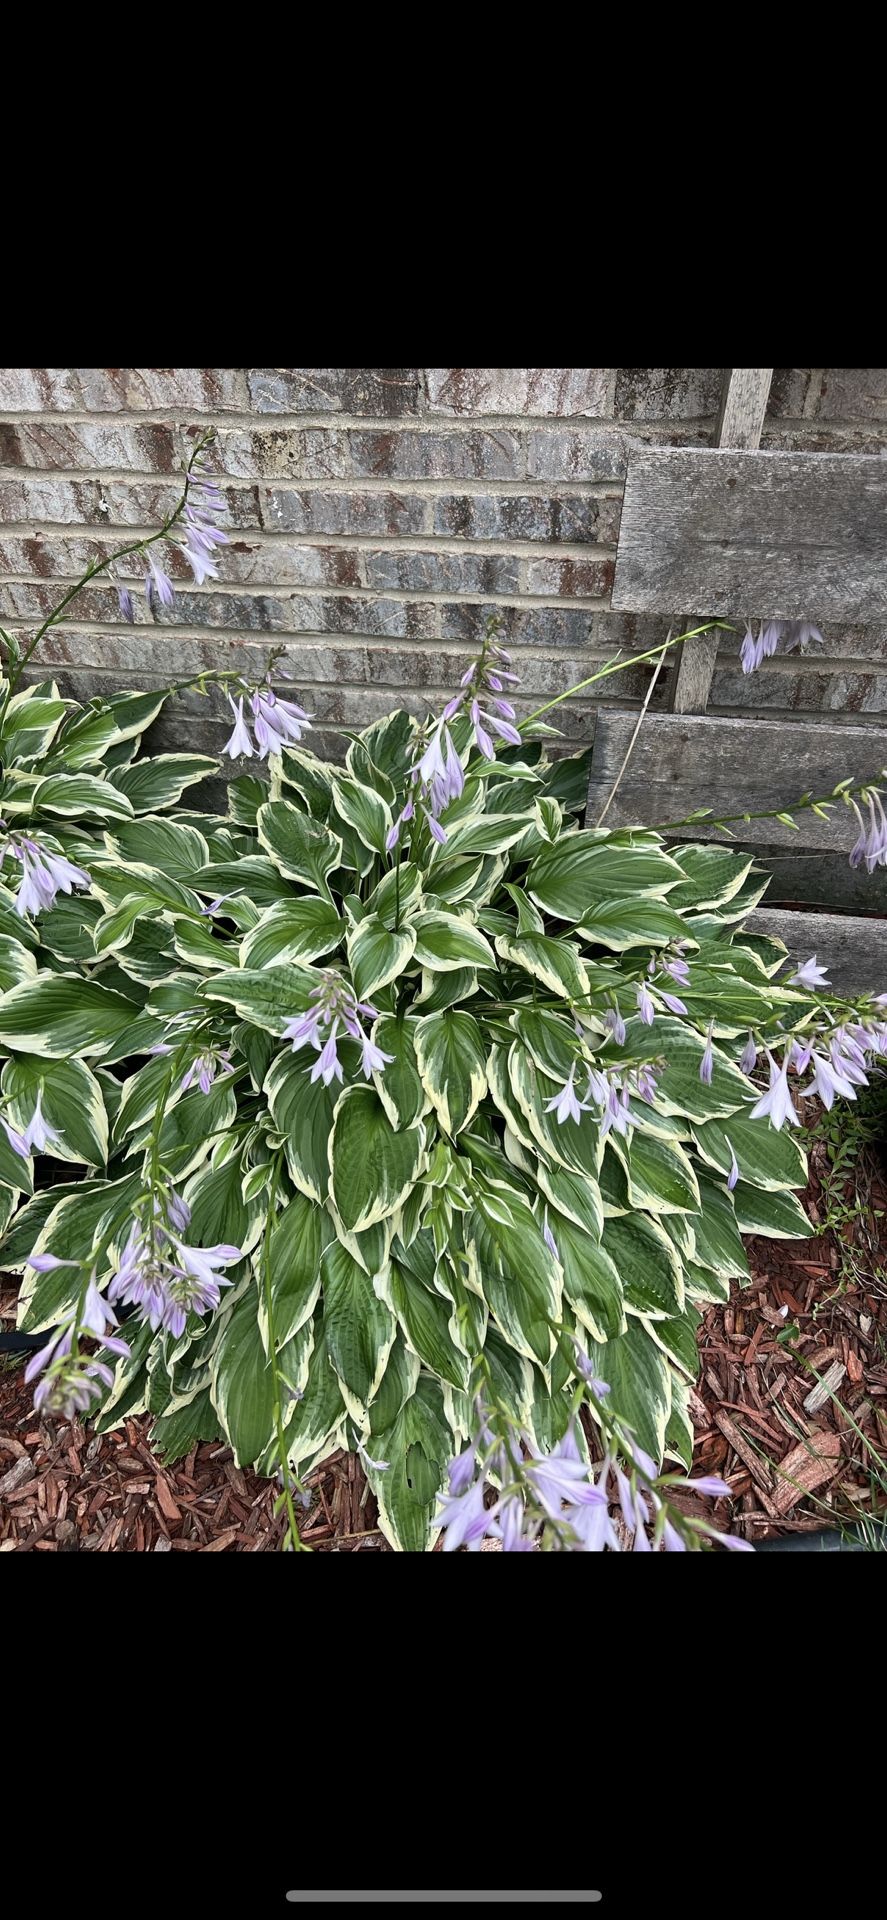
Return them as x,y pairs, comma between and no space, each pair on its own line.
743,406
682,762
754,534
853,951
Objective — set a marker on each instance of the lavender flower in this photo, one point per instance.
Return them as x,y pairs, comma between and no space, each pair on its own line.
16,1140
871,846
38,1134
335,1006
777,1101
465,1518
565,1103
126,604
733,1174
239,741
613,1019
548,1236
749,1055
646,1007
706,1064
161,1276
44,875
204,1068
671,1001
810,975
71,1379
828,1080
158,585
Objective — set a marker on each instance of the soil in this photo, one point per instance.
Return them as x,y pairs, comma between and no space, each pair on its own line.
794,1463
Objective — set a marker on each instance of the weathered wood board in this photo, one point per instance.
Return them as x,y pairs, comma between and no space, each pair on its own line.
751,534
682,762
853,952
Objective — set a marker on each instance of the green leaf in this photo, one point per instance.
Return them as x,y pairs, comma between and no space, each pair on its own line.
716,1231
365,810
150,785
299,846
57,1015
574,1194
778,1216
219,1213
359,1328
555,962
713,876
173,849
648,1265
639,1378
302,1110
514,1271
80,795
452,1062
426,1324
174,1434
372,1166
107,722
300,1232
591,1280
679,1089
660,1175
573,1145
377,956
266,997
399,1087
621,924
581,869
71,1102
766,1156
444,942
416,1448
17,963
298,929
242,1386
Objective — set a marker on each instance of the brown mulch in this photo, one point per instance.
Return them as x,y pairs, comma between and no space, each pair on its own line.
794,1453
793,1464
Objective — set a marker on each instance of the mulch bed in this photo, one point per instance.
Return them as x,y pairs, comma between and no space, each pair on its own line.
794,1462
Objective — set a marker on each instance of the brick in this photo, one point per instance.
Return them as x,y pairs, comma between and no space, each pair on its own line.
148,447
556,392
309,453
360,513
591,454
667,393
414,455
382,392
570,579
51,501
442,572
271,562
853,393
123,389
571,517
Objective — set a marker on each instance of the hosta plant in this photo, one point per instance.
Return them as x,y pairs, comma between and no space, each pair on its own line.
401,1111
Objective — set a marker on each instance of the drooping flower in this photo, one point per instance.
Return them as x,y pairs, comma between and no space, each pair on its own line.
159,589
239,742
646,1007
828,1081
777,1101
163,1277
204,1068
871,846
373,1060
126,604
565,1103
733,1174
44,875
810,975
334,1007
70,1380
749,1054
613,1019
38,1134
706,1064
465,1518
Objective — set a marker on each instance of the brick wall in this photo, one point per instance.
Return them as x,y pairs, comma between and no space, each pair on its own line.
378,514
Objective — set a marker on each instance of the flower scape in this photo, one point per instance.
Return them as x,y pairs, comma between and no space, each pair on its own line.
387,1105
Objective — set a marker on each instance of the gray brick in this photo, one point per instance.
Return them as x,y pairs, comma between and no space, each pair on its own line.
555,392
280,453
442,572
382,392
359,513
498,454
513,516
570,579
149,447
592,454
52,501
123,389
853,393
667,393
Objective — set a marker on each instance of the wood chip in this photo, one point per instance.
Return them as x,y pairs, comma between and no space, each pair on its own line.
806,1468
825,1387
